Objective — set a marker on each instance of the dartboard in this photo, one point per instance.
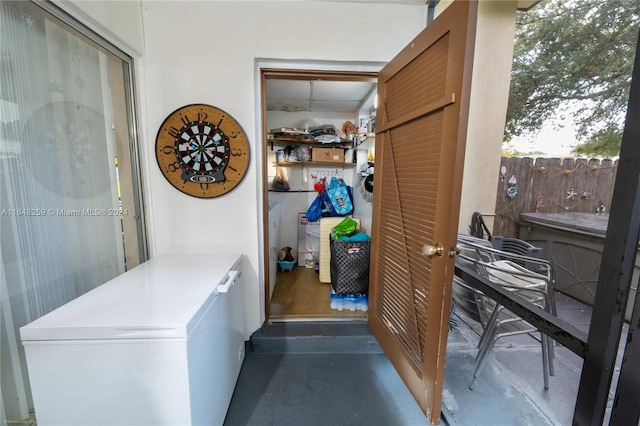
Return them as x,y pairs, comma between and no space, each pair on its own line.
202,150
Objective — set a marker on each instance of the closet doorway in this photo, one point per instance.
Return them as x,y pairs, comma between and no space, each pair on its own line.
292,102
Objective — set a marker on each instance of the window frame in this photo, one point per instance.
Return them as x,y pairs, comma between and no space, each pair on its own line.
81,28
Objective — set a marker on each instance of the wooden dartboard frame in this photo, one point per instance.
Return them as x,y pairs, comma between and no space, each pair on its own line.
202,151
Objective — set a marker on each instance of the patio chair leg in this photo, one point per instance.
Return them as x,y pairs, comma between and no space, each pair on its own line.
545,361
552,355
480,358
473,383
552,300
489,331
492,323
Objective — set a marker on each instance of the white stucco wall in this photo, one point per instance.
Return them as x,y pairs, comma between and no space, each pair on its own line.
211,56
493,57
206,52
194,51
118,21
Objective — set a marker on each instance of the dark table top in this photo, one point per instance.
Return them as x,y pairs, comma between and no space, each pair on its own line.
583,223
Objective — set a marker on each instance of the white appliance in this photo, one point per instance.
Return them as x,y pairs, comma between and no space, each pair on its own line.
161,344
274,245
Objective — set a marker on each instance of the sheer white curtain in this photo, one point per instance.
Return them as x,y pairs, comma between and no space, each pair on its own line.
60,229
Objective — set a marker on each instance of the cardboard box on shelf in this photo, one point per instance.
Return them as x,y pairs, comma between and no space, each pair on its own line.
327,155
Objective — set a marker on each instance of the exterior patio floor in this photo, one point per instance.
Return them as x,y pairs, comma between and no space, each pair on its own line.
510,389
335,373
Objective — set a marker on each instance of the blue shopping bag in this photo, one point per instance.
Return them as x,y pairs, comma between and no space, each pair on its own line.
339,196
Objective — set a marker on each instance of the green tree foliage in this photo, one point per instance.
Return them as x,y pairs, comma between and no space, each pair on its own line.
604,142
574,57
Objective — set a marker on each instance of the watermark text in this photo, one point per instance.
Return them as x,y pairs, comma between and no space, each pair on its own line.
38,212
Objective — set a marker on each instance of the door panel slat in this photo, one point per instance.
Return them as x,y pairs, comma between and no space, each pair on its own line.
421,82
419,145
398,279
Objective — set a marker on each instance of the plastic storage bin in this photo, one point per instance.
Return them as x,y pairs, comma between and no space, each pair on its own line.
350,266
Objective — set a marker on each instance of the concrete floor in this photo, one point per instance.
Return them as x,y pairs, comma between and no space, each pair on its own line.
289,379
510,388
321,390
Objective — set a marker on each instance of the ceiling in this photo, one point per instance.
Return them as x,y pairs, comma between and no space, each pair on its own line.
319,95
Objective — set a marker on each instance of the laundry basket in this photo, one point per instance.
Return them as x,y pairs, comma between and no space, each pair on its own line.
350,266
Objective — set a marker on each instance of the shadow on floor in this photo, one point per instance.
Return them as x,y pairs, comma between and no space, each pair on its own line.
510,388
321,389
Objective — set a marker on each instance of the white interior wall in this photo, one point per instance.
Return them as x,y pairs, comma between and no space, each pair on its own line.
361,207
118,21
214,62
181,67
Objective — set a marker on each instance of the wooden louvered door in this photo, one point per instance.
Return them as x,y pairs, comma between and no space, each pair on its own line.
423,97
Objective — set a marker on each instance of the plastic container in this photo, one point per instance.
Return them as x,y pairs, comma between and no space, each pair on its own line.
286,265
349,302
349,265
308,259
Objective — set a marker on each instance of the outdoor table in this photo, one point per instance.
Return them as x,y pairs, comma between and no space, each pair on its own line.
574,243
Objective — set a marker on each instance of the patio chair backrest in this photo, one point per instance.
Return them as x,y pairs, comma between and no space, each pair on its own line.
520,247
472,249
468,299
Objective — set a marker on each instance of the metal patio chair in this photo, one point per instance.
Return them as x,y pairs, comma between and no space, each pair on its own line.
527,250
505,269
468,299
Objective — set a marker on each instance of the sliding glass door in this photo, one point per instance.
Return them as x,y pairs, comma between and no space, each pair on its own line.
70,210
